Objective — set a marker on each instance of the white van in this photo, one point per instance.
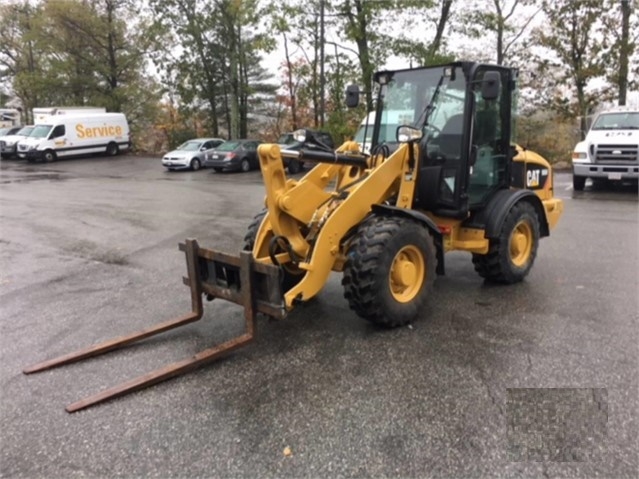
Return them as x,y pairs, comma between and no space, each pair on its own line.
388,128
72,135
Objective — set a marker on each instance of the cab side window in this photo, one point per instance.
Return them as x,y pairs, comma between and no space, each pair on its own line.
57,132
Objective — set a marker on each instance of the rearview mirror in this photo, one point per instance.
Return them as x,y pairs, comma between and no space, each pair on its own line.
352,96
300,135
407,133
490,85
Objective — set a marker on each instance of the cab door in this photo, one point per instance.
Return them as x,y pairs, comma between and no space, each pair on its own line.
490,139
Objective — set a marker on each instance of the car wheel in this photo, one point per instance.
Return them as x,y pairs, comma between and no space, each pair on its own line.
245,165
217,169
578,182
112,149
49,156
195,164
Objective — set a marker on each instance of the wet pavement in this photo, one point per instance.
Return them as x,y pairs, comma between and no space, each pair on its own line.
537,379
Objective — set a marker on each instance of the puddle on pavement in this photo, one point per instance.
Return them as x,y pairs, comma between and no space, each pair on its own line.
34,177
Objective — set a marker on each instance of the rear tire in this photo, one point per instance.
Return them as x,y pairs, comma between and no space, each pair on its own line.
195,164
578,183
389,271
512,254
112,149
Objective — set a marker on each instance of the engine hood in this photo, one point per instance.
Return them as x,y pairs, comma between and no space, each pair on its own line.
620,137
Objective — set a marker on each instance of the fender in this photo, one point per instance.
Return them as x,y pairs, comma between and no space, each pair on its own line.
495,212
387,210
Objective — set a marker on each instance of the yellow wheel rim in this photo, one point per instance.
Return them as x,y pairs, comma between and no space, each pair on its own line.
407,274
521,243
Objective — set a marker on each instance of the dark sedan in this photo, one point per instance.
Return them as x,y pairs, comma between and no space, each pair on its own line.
238,155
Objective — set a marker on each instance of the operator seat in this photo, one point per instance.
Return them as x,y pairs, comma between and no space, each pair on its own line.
450,138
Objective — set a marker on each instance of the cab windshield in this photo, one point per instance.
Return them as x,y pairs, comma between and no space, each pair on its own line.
286,139
40,131
617,121
424,98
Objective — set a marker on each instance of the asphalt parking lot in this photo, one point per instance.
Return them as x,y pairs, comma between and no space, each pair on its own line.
537,379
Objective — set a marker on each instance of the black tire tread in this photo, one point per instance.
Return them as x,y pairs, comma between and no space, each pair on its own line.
361,280
578,183
495,266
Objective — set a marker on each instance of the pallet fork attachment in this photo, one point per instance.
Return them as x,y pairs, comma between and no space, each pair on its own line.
255,286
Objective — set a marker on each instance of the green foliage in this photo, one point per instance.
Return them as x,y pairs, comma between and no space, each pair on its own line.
552,136
573,33
69,52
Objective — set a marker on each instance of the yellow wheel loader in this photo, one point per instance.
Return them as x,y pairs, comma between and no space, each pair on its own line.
442,174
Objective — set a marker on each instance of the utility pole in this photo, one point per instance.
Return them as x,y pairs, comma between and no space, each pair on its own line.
322,81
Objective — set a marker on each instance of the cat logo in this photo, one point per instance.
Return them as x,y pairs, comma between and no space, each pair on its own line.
534,177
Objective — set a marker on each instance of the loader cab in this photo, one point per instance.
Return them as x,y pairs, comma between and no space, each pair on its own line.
464,112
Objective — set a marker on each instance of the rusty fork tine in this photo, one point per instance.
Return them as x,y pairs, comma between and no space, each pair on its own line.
240,293
112,343
185,365
191,248
162,374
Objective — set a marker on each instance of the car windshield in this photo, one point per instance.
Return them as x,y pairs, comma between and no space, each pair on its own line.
190,146
26,131
617,121
228,146
286,139
39,131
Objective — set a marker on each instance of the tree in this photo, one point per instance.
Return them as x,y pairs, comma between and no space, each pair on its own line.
420,51
573,34
215,58
623,46
507,20
20,57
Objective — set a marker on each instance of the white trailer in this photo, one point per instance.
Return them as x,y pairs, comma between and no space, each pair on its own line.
42,114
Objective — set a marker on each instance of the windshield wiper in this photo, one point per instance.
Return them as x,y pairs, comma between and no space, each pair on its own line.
429,107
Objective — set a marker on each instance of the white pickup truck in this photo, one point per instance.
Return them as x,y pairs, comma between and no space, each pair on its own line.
610,150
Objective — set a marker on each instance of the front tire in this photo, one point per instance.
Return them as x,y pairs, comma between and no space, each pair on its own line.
512,254
390,270
245,165
195,164
578,183
49,156
217,169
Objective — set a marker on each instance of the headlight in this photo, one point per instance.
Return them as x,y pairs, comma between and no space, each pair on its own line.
579,157
32,147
